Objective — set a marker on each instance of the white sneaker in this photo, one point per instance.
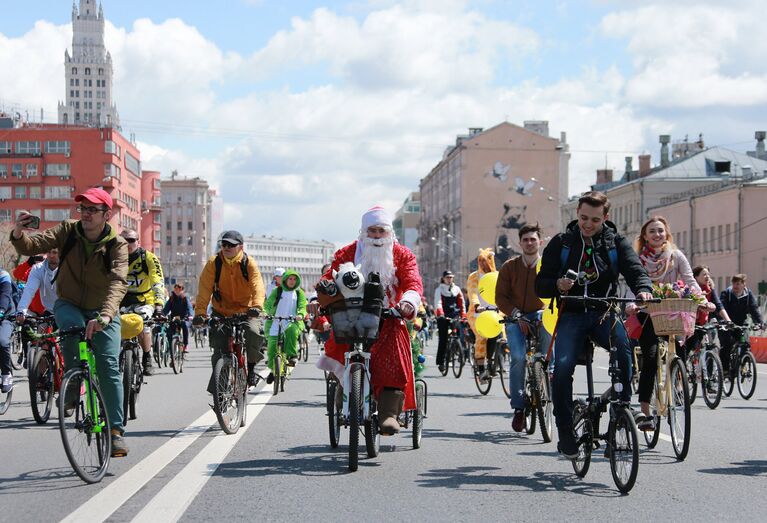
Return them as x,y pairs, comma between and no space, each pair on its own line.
6,383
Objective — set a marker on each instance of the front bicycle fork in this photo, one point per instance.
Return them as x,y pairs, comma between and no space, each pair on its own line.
350,366
91,405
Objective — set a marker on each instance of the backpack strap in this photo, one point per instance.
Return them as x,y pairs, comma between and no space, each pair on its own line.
244,266
69,244
612,255
108,254
219,264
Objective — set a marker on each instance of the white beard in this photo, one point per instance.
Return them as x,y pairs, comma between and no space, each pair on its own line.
377,255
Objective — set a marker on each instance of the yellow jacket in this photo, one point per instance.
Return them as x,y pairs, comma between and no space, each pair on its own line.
237,294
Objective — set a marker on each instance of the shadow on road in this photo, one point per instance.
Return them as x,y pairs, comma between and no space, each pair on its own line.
749,467
315,460
42,480
483,479
299,403
497,437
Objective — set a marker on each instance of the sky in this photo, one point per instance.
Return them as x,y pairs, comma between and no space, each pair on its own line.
304,114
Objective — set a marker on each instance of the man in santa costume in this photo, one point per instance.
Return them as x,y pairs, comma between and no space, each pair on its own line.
391,365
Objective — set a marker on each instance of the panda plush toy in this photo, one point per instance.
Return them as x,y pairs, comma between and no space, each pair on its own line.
363,300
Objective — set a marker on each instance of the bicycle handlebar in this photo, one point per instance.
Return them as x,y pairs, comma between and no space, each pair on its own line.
606,300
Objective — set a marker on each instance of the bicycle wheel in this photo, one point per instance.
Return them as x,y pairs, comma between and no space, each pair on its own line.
500,366
456,358
584,436
138,381
679,410
372,436
691,378
483,385
17,350
728,384
711,385
126,367
334,417
651,437
530,413
355,416
241,389
156,349
41,385
226,401
180,356
5,401
747,375
86,432
418,415
623,449
276,373
305,346
542,398
175,356
444,369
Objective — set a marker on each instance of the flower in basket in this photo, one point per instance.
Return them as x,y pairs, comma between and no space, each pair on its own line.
677,290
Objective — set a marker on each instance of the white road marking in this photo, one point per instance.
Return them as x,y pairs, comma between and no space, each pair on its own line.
106,502
172,501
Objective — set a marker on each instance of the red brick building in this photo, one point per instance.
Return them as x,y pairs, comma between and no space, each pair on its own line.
43,166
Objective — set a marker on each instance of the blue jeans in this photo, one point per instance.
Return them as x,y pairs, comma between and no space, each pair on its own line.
518,356
573,329
106,345
6,330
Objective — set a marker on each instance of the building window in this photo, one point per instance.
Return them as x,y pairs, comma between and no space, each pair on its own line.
31,169
705,239
56,215
28,148
168,226
74,70
112,170
178,226
5,193
5,215
178,240
57,192
719,239
3,170
21,192
167,241
57,147
16,170
132,164
87,70
5,147
57,169
101,71
189,241
727,237
189,226
34,192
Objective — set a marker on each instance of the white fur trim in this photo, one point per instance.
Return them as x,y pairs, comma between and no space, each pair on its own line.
330,365
376,216
413,298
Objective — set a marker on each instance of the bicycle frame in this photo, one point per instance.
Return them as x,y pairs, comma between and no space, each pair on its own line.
88,366
358,355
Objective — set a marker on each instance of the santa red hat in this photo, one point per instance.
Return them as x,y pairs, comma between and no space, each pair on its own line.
376,216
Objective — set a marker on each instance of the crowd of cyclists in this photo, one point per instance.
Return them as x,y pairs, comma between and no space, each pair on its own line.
84,274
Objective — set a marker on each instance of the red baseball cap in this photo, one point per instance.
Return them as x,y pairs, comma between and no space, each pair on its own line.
95,195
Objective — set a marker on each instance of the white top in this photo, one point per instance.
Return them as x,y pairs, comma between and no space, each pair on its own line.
40,277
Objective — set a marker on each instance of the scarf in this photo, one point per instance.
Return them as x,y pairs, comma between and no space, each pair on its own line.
657,264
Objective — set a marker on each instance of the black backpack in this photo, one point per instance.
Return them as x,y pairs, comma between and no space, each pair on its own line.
69,244
219,264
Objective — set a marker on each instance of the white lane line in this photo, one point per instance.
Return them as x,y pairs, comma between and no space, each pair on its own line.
106,502
172,501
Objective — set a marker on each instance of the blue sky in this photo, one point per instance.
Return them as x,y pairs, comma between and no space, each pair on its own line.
291,107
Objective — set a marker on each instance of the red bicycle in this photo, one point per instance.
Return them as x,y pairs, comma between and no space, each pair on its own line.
47,368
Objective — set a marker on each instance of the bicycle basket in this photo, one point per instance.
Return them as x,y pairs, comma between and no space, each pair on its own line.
131,325
673,316
352,325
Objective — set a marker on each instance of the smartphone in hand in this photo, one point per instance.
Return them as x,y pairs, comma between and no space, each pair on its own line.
33,222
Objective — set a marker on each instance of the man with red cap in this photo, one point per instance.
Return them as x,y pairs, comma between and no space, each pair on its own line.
391,367
91,282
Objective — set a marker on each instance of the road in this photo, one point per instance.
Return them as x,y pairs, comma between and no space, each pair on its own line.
280,467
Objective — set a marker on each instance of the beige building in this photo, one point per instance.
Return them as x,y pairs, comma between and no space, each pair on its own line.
693,170
304,256
190,226
406,221
725,229
487,185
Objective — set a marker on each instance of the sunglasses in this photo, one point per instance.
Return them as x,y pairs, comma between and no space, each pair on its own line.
131,240
90,210
227,245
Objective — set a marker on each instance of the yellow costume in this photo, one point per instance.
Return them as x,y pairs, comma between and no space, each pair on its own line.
485,264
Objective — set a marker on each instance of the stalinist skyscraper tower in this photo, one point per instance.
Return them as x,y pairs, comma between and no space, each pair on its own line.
88,72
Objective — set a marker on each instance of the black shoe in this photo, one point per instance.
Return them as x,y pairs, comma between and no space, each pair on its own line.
441,368
292,362
270,379
119,448
146,362
567,445
646,424
148,370
518,423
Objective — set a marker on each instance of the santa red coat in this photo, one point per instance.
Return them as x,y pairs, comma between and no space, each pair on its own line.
391,362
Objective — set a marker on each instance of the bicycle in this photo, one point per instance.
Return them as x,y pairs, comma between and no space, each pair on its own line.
454,356
671,399
160,348
359,409
176,350
537,387
47,369
230,374
742,363
200,337
621,437
704,366
303,344
417,415
19,348
83,420
132,371
280,368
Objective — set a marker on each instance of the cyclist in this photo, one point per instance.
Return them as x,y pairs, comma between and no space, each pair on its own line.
21,273
592,247
483,347
376,250
706,284
286,300
232,279
448,304
739,303
41,286
276,281
515,296
146,290
91,281
664,263
178,305
320,323
7,308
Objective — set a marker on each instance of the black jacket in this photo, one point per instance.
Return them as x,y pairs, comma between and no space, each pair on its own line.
628,264
739,308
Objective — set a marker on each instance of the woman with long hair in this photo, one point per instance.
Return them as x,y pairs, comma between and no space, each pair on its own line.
664,263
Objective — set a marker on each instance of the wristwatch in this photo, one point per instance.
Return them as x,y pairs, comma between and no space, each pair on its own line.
102,321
